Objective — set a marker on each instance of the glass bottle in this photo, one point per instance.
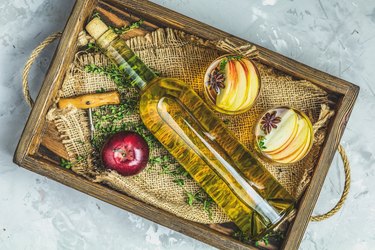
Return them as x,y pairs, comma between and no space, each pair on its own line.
200,142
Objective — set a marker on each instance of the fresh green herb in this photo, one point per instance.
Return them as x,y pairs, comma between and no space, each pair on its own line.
234,57
179,175
80,142
239,235
68,164
264,239
261,143
207,203
226,59
276,236
95,15
222,64
180,171
127,28
156,72
190,198
102,90
113,72
165,169
200,197
179,182
65,163
92,47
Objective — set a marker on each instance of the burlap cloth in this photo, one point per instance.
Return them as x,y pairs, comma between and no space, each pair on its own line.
175,54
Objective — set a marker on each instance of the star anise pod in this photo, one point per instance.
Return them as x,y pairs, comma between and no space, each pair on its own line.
269,121
216,80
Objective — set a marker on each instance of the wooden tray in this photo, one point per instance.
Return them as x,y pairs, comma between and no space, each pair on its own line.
40,149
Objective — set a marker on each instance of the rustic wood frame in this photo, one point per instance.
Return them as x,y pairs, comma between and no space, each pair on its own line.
36,140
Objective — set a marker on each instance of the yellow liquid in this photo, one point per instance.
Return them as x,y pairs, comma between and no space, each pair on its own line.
203,145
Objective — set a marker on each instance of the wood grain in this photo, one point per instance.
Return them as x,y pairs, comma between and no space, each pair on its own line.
40,148
195,230
52,140
31,135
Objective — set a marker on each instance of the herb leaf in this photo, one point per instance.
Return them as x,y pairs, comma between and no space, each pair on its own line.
65,163
113,72
92,47
226,59
261,142
68,164
190,198
127,28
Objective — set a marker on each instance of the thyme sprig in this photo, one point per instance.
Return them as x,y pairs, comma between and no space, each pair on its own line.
95,15
261,143
226,59
201,197
69,164
179,175
273,236
276,236
113,72
127,28
92,47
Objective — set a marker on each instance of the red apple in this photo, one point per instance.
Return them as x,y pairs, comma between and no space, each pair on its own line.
126,152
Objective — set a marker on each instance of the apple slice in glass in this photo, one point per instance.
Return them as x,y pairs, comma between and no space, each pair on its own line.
284,135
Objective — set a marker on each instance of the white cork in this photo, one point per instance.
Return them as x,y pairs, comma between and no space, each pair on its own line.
96,28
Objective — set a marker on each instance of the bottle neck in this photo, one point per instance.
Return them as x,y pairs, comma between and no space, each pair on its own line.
116,49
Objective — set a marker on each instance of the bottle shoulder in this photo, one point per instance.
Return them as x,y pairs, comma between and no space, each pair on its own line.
166,85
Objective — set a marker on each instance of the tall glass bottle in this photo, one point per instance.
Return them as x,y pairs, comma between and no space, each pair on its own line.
200,142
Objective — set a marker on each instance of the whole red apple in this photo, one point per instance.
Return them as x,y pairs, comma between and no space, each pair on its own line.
126,152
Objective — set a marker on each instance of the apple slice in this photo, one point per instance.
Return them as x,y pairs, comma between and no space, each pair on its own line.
252,83
304,150
227,95
295,157
282,134
240,86
286,144
297,145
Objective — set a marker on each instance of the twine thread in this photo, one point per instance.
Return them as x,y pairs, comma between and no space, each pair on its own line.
345,192
26,70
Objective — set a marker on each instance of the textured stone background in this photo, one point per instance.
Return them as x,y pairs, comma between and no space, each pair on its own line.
337,37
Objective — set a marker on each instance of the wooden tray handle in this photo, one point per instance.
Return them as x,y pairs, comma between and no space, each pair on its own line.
30,62
35,53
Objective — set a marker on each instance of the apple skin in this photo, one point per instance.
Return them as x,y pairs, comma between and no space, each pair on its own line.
126,152
253,82
228,94
241,86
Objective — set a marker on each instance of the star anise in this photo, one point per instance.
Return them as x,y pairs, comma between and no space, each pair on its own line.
216,80
269,121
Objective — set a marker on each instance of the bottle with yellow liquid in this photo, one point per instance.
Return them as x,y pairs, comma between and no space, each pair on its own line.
200,142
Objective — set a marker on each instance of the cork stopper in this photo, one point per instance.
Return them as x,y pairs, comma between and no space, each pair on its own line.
96,28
